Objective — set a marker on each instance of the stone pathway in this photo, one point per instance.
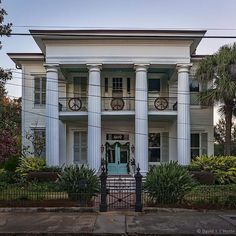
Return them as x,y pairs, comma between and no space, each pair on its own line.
119,223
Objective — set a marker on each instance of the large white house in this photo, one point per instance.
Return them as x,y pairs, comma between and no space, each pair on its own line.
117,95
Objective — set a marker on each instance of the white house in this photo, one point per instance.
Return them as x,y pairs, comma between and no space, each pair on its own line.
116,95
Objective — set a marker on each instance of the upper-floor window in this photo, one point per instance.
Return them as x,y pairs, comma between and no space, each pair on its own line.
154,85
117,85
194,86
39,90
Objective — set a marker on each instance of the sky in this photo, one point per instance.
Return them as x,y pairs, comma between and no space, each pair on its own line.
217,16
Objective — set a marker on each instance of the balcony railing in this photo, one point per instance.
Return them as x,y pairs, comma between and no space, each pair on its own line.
76,104
79,104
162,104
118,103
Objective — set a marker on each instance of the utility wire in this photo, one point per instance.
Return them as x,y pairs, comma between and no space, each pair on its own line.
100,127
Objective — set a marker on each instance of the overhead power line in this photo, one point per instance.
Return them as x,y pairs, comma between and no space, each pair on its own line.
74,35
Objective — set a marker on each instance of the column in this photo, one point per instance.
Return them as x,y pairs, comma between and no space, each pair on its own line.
52,116
141,118
94,117
183,119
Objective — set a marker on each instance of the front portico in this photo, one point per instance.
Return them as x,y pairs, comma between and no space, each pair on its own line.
119,95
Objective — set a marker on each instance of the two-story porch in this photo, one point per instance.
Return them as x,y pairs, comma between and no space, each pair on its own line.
121,95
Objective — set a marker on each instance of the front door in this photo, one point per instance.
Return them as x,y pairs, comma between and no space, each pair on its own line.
117,158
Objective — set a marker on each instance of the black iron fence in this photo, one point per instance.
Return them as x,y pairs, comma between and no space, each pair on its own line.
118,193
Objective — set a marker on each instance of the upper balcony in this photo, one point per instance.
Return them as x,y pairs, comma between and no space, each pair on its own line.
118,105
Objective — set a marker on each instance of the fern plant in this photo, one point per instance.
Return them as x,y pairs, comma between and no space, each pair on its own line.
168,183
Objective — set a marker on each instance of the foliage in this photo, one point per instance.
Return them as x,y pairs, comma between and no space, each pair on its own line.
11,163
223,167
37,141
9,177
28,164
8,146
220,70
41,176
220,133
79,179
168,183
5,30
203,177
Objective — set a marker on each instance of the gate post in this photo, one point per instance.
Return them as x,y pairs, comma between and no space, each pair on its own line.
138,180
103,178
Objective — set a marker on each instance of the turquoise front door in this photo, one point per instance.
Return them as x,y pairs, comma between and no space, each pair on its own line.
117,158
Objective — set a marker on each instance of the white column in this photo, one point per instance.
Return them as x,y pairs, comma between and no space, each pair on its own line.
141,118
183,119
52,116
94,117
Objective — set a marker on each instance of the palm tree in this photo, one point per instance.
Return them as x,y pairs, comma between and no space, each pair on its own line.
220,70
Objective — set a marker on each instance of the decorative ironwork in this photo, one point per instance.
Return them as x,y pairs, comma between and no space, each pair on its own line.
121,193
161,103
103,178
75,104
138,180
117,104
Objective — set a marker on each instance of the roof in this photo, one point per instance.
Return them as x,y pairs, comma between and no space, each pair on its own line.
124,34
18,58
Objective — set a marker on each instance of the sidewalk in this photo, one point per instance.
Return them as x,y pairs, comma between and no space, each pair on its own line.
119,223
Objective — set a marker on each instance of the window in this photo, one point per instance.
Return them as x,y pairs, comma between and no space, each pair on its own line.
198,144
117,85
40,90
80,86
194,92
194,86
80,147
39,143
154,85
154,147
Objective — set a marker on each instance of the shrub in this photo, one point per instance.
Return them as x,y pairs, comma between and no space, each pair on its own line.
29,164
203,177
168,183
9,177
80,182
42,176
223,167
11,163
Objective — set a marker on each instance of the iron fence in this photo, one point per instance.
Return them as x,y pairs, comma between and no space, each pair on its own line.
200,196
115,194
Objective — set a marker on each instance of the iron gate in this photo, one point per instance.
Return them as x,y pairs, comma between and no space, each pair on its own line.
121,192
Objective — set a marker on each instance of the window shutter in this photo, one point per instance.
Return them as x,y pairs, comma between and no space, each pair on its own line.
165,147
204,143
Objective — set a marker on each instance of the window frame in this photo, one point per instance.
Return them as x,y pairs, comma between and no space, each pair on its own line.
200,147
158,148
40,91
117,85
79,160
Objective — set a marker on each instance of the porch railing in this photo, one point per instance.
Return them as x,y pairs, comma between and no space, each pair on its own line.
162,103
118,103
76,104
79,104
